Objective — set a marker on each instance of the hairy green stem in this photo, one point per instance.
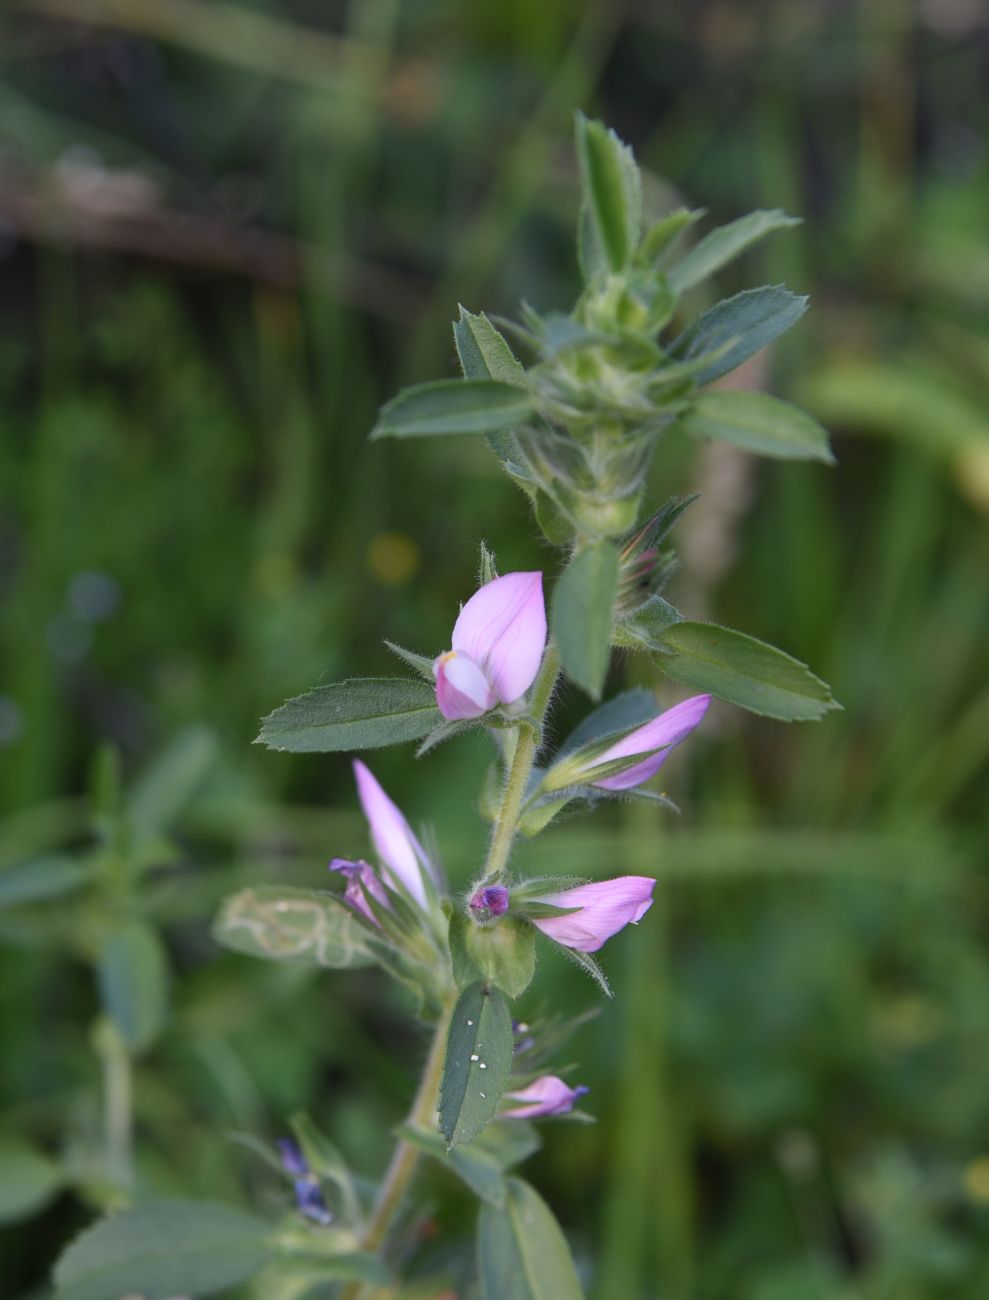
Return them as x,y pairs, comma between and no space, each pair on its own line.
406,1157
528,740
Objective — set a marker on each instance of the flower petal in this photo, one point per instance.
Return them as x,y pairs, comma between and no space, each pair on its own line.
662,733
362,880
462,690
503,629
606,906
399,850
548,1095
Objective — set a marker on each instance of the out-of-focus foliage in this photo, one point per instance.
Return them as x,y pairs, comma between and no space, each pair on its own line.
224,242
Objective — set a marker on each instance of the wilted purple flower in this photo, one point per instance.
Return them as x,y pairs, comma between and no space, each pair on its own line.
493,900
404,859
498,644
662,733
308,1193
362,881
548,1095
605,907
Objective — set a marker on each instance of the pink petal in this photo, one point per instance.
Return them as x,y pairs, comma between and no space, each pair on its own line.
606,906
503,629
665,731
548,1095
399,850
462,690
362,880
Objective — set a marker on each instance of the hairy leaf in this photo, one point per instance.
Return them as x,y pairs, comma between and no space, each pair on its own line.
737,328
581,615
745,671
522,1252
362,713
452,406
720,246
758,423
612,204
164,1248
479,1051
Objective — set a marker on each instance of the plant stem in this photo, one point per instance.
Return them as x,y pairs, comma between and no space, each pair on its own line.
406,1157
527,745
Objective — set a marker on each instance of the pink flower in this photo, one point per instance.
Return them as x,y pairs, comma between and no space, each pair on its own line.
605,907
498,644
662,733
362,881
549,1095
404,859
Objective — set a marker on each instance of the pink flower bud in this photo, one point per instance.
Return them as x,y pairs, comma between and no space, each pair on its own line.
548,1095
362,881
605,907
498,642
404,859
662,733
492,901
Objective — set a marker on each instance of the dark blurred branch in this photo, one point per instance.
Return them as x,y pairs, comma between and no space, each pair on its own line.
117,212
222,31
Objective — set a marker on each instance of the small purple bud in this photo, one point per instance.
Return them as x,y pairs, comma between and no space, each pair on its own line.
293,1161
308,1193
523,1038
493,900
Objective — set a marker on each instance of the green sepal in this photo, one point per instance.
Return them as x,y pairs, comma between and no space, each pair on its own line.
502,952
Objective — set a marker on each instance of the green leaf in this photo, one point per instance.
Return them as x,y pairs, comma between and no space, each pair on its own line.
478,1169
164,1248
737,328
44,878
502,953
660,236
484,352
720,246
612,203
581,615
758,423
422,664
362,713
292,925
479,1050
745,671
452,406
170,782
133,979
522,1252
28,1179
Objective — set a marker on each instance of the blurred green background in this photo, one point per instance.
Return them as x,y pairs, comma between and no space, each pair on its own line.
227,233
